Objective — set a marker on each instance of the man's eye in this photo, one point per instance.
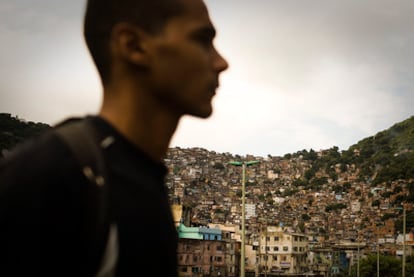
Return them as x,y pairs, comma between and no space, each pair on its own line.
204,39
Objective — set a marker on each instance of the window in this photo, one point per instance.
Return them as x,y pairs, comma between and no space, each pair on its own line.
267,248
285,248
276,238
295,249
268,238
276,248
219,248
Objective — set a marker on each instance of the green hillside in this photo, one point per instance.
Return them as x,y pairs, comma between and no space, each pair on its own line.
14,130
386,156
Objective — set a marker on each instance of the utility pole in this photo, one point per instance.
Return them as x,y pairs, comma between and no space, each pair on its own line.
403,257
378,258
404,230
266,257
243,233
358,254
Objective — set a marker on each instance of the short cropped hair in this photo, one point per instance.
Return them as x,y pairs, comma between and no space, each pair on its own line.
102,15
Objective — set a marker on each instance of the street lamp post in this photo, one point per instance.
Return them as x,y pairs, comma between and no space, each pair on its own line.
403,258
243,164
378,252
378,263
404,229
358,240
358,254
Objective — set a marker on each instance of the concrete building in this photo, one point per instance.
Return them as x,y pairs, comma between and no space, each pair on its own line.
197,258
250,210
206,251
282,252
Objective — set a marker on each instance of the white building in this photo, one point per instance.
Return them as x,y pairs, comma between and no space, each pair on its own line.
250,210
283,252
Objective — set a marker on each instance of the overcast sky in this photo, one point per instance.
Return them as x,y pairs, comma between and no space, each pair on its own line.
303,74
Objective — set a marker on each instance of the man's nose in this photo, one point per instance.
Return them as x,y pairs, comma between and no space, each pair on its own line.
220,63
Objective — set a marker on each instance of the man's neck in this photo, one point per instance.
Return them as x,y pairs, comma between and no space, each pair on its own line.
151,134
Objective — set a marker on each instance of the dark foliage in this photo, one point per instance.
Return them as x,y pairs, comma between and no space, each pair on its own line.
14,130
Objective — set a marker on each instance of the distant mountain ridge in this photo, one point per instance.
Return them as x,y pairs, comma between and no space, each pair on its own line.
383,161
388,155
14,130
379,153
385,156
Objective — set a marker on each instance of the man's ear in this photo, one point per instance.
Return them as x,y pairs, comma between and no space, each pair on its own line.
128,43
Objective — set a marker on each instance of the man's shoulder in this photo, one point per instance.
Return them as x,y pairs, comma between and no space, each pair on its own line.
43,156
47,145
43,146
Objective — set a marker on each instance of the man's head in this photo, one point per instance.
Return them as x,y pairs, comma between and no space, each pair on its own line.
102,15
162,48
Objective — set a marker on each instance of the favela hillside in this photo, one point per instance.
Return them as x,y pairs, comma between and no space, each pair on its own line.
320,212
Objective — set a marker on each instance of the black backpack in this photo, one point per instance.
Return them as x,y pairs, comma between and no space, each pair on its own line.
87,146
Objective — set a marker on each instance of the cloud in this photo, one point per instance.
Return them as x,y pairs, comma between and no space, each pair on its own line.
46,69
303,74
311,74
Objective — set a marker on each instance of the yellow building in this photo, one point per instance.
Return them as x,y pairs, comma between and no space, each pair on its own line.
282,252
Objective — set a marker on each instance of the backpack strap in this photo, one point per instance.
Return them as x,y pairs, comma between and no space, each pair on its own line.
87,146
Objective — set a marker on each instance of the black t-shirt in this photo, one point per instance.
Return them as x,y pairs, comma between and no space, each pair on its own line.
41,211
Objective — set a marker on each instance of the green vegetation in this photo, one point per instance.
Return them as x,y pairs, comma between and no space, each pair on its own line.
390,266
409,221
388,154
382,158
334,207
14,131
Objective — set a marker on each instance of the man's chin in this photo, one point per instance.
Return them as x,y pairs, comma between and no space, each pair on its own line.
202,113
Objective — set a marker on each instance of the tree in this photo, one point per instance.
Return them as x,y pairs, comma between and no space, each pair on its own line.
389,266
218,166
305,217
409,265
301,226
343,167
14,130
409,221
375,203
